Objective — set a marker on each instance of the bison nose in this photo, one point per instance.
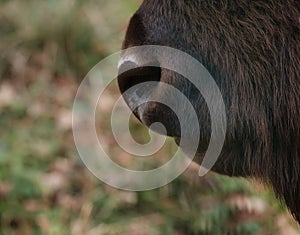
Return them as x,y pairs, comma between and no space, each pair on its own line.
130,74
137,84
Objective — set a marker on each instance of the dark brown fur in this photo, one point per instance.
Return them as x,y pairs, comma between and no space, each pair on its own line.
252,49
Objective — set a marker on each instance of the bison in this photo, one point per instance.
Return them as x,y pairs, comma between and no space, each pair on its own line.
252,50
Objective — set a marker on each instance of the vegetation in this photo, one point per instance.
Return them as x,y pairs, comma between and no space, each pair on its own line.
46,48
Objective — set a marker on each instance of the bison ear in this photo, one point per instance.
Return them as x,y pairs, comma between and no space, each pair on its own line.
136,33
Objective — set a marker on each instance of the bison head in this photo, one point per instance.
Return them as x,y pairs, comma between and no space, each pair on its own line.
252,50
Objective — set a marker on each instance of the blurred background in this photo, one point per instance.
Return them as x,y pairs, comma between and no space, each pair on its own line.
46,49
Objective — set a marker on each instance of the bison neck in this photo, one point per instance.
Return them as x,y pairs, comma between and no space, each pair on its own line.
284,175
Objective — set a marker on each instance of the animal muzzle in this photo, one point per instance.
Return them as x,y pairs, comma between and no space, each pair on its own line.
143,89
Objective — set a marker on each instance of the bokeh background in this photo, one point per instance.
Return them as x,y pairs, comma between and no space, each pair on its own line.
46,49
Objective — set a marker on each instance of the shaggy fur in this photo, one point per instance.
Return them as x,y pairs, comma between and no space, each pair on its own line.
252,49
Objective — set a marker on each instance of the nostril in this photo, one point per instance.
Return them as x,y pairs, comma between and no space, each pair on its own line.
130,75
